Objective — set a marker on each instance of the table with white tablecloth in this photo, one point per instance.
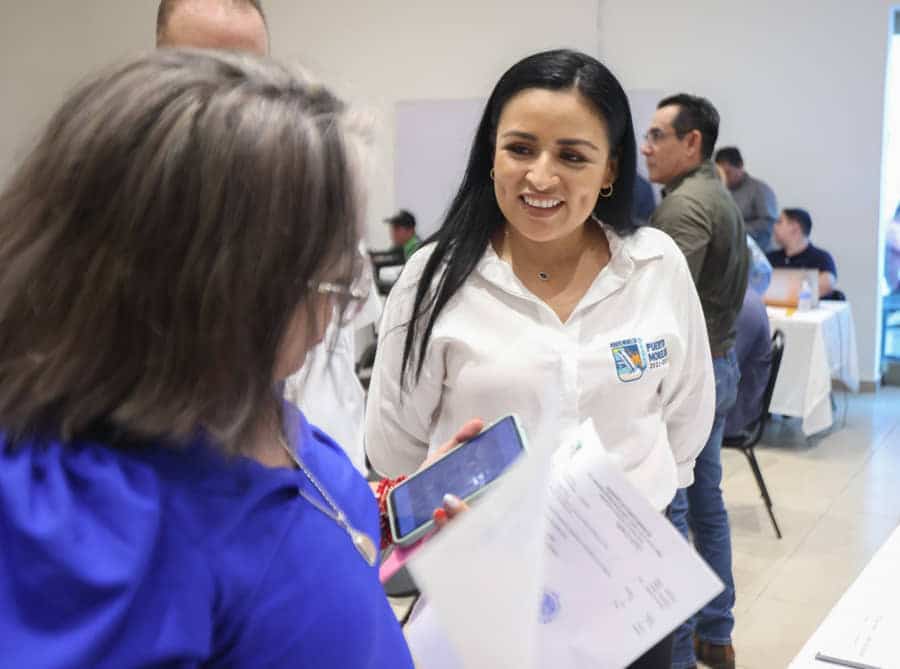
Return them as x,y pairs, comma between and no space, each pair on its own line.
819,345
861,630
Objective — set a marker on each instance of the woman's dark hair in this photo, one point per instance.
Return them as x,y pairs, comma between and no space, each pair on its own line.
160,238
474,215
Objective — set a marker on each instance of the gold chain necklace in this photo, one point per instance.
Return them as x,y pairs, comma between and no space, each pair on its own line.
361,541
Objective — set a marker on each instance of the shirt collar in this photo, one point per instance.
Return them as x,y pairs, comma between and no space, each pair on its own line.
626,253
706,168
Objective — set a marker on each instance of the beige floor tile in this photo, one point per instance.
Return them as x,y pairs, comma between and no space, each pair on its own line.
400,606
849,447
792,483
750,582
886,458
871,491
816,580
772,633
751,526
838,533
757,541
757,553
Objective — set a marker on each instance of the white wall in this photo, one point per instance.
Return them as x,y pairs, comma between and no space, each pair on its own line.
381,52
426,181
375,53
799,83
800,87
47,46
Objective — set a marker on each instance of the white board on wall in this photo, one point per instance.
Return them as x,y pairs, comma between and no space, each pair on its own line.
643,105
433,138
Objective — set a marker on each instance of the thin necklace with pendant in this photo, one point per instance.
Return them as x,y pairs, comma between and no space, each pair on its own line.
364,545
543,276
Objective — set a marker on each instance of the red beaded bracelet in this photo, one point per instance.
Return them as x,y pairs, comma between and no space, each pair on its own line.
381,493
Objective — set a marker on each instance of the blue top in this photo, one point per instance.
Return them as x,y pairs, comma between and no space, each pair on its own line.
753,349
644,201
760,268
151,556
812,257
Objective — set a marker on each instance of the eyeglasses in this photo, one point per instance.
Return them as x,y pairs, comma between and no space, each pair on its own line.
347,292
353,297
654,135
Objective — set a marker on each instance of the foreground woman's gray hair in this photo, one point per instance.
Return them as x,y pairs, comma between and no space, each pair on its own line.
158,239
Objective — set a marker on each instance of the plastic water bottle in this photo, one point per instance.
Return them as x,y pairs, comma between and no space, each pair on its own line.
804,299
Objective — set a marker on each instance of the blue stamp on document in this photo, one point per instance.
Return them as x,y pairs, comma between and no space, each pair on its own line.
550,607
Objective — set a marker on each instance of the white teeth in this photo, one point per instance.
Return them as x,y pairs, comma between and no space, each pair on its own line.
541,204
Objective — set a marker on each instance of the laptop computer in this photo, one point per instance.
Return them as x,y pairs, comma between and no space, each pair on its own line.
784,288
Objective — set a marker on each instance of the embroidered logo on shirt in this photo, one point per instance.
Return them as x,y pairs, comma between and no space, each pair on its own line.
630,357
657,353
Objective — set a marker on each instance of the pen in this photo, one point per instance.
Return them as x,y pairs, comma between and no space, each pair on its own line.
821,657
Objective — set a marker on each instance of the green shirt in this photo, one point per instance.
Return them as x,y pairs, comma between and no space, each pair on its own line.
410,246
701,216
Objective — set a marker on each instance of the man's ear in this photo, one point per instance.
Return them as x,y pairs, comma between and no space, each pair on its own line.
695,142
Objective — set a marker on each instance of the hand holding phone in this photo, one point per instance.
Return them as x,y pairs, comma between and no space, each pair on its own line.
452,505
465,472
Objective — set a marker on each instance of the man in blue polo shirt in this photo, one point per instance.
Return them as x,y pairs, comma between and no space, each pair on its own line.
792,233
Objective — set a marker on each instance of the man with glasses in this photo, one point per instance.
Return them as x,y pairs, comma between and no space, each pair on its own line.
703,219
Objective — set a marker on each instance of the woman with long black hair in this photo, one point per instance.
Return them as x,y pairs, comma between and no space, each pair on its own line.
539,295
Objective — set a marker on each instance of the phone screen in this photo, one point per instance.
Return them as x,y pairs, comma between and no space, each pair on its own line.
462,472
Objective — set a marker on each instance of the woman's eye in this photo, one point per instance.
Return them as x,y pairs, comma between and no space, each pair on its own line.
519,149
570,157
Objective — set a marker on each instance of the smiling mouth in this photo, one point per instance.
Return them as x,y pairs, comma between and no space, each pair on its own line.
546,204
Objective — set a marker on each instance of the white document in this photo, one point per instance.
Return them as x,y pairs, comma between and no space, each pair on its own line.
586,575
481,578
618,577
865,638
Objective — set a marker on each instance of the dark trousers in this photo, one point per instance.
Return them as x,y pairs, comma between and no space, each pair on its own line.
658,657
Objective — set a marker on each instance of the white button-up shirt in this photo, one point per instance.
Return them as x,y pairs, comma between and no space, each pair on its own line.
633,356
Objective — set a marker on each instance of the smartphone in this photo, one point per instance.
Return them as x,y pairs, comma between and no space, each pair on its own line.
466,472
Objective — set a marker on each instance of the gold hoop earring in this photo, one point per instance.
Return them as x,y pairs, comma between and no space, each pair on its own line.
492,174
606,193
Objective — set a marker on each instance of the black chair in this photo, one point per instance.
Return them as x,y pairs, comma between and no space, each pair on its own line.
746,441
365,364
382,259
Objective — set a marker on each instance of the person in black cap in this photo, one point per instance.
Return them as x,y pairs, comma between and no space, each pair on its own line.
403,232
